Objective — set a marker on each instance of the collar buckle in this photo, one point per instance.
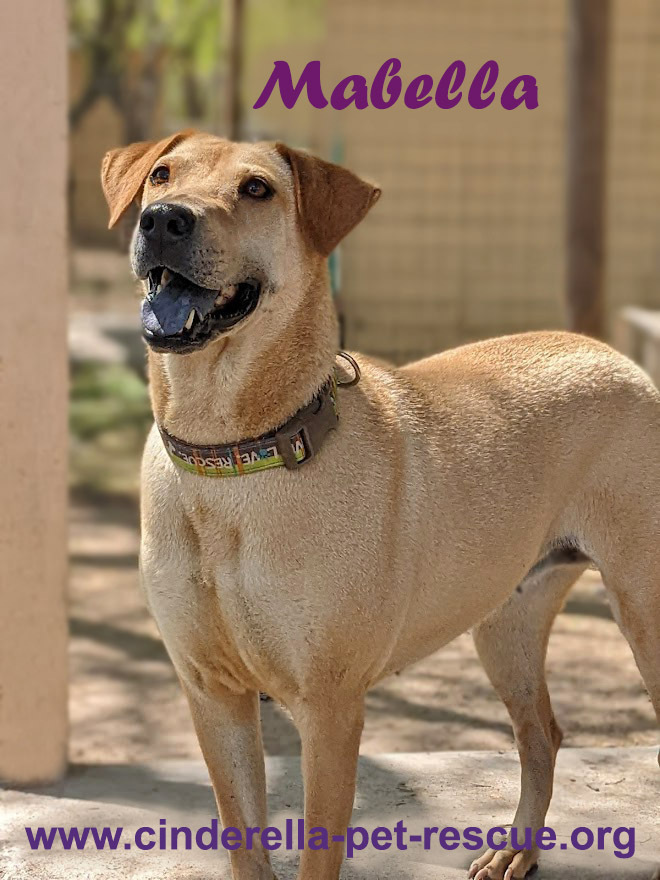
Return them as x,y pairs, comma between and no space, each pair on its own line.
311,425
284,440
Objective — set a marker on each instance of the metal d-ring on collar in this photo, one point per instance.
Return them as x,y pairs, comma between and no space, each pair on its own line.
357,375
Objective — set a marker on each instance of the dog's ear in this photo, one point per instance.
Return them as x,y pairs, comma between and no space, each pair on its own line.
124,171
331,200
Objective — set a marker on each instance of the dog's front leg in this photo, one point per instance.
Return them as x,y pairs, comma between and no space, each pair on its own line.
229,733
226,718
330,735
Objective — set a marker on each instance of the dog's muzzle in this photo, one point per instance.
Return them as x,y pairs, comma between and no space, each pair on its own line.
181,316
178,314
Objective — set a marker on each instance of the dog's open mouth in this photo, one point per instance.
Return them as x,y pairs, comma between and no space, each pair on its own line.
180,316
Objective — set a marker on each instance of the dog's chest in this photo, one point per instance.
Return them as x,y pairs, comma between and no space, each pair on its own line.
267,524
243,582
238,532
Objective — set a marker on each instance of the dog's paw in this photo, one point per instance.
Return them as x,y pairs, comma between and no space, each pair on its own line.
504,864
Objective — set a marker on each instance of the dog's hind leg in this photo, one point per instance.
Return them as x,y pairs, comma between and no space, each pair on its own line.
635,599
633,585
512,644
622,536
629,561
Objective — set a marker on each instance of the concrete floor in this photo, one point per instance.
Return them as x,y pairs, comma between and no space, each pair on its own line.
594,787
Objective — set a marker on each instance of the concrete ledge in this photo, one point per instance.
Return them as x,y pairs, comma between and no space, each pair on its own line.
594,787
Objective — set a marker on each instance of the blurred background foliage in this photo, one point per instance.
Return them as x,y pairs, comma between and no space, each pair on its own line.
138,54
109,418
146,54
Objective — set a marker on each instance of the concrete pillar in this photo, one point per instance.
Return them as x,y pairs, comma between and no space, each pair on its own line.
33,391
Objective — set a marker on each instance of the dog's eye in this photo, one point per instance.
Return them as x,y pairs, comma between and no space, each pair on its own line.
160,175
256,188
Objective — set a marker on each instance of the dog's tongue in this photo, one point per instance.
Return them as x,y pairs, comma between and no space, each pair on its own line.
165,312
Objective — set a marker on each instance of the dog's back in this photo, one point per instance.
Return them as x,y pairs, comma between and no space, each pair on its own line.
514,446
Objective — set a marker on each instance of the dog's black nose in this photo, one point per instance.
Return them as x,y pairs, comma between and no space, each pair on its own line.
167,223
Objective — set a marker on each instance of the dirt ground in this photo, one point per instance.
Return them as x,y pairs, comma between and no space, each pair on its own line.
126,705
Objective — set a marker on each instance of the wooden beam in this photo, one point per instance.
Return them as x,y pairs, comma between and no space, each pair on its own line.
235,27
587,156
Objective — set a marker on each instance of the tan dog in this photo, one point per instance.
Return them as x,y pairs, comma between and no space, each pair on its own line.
467,490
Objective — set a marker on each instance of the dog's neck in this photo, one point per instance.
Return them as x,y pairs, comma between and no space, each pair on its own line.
251,383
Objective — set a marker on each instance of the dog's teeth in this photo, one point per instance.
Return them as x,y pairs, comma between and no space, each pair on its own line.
225,295
165,277
191,319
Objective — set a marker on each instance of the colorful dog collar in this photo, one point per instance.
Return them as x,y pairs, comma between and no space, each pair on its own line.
295,443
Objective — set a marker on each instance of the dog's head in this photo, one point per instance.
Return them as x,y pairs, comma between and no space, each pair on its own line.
224,227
